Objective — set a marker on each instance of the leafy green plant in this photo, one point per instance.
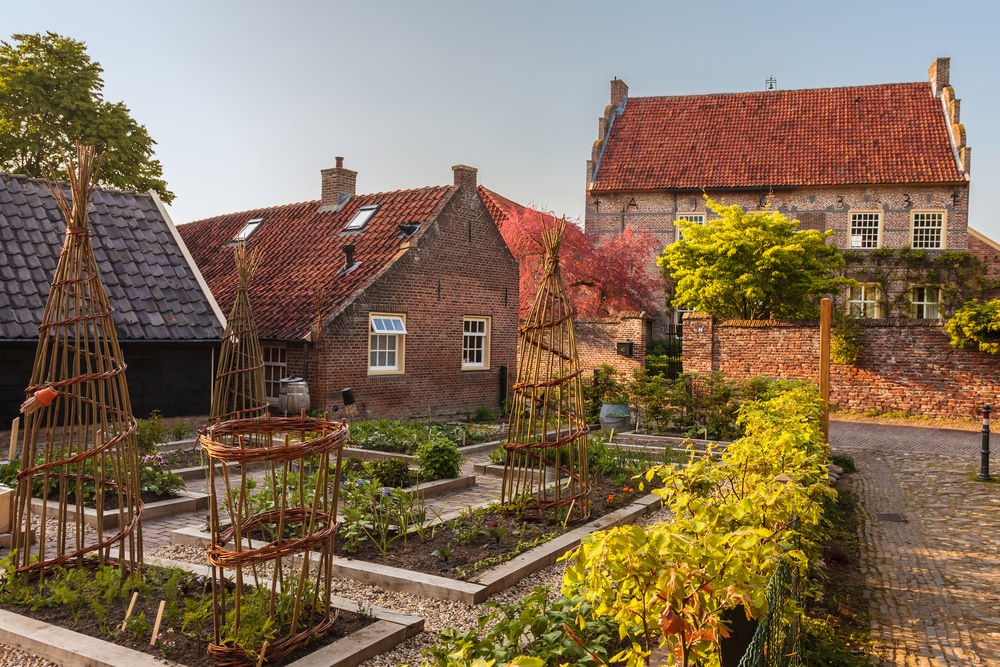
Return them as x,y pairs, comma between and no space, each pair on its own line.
179,431
150,432
976,325
483,414
438,458
444,553
845,341
389,472
534,626
156,478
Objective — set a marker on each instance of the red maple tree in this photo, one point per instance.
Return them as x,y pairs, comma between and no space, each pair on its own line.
601,277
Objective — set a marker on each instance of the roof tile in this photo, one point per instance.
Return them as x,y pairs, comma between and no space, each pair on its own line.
32,232
882,134
303,253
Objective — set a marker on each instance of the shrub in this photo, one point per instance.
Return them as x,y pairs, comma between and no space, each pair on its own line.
179,431
150,432
389,472
977,325
438,458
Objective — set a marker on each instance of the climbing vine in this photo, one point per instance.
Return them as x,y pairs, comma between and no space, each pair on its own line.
960,276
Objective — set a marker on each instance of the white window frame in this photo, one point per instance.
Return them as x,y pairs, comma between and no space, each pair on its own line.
247,231
476,343
361,218
862,301
690,217
923,243
857,233
275,368
922,306
386,343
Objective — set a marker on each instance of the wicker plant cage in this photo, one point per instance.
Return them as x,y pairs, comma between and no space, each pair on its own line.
545,470
79,445
238,392
271,554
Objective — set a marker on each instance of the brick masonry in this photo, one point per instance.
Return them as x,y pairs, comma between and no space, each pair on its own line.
905,365
460,267
597,339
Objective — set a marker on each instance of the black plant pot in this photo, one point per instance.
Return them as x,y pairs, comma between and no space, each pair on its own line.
741,631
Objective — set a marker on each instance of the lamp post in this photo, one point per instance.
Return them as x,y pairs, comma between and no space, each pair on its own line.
984,466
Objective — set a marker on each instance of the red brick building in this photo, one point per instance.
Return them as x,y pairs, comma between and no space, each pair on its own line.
408,297
885,167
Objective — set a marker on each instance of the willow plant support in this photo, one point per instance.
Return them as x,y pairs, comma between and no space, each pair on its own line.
545,469
254,537
79,431
239,381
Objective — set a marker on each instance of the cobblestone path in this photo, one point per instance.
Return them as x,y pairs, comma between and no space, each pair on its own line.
930,542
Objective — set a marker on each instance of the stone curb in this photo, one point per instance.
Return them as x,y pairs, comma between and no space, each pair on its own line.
186,501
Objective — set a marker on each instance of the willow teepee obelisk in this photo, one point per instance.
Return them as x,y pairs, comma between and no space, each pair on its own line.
239,382
545,472
79,431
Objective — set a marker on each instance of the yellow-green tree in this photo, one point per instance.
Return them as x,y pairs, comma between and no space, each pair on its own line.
751,266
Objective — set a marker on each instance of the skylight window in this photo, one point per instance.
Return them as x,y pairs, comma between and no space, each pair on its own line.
361,218
248,230
386,324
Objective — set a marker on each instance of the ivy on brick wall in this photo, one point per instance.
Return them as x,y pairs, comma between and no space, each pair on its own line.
960,275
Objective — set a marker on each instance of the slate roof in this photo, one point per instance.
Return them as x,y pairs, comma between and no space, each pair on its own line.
152,287
303,254
880,134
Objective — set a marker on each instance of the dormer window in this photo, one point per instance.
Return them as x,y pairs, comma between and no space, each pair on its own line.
361,218
248,230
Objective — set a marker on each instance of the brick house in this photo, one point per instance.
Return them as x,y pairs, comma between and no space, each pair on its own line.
168,325
885,167
408,297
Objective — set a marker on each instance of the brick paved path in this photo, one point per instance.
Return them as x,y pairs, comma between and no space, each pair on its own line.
934,578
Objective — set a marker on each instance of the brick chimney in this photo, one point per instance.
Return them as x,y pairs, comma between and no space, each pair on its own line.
938,74
465,177
619,91
337,182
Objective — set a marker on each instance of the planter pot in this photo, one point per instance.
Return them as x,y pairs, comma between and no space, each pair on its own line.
616,416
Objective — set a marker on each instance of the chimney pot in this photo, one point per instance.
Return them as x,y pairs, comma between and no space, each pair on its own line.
340,162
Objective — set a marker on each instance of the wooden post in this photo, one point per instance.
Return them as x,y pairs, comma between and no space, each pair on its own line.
825,319
13,438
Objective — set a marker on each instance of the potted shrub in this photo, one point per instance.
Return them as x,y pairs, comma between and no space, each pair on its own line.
615,413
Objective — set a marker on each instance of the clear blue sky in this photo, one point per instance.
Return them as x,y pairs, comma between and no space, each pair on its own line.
249,100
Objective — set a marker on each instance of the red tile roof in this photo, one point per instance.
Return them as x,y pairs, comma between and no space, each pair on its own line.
303,254
891,133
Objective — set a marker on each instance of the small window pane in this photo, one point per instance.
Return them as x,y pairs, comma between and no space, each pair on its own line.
862,301
248,230
925,301
928,229
864,230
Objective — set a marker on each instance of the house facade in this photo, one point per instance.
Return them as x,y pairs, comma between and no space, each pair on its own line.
409,297
167,322
885,167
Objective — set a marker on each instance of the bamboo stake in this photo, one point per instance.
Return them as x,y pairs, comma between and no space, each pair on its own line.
128,613
156,626
14,425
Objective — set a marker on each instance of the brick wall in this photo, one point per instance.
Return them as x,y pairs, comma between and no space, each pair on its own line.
460,266
596,339
905,365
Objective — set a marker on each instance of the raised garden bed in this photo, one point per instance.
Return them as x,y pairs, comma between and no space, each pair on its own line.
185,501
446,584
353,641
